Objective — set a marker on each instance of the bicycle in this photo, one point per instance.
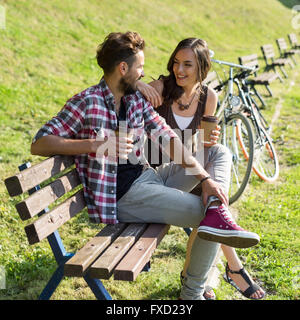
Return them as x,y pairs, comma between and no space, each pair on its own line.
265,163
236,133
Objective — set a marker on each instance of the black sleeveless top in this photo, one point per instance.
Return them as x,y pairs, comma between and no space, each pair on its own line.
167,114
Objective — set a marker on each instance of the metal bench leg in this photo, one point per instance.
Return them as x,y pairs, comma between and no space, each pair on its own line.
188,231
294,60
260,98
279,76
269,90
97,287
52,284
147,267
283,71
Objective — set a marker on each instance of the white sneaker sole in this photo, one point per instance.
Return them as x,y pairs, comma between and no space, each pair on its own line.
232,238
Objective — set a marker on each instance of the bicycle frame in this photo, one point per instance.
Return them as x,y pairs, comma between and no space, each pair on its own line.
247,101
230,117
245,94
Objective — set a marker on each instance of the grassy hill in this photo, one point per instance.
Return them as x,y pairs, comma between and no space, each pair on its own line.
47,54
48,48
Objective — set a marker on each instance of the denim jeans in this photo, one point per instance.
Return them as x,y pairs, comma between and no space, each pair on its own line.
163,196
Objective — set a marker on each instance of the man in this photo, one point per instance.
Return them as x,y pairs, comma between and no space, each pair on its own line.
133,192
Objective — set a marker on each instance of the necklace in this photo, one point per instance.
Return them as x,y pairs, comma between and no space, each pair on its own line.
182,106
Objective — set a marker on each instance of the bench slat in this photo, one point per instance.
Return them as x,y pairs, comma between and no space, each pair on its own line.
293,40
104,265
52,220
210,77
281,44
249,61
47,195
78,264
33,176
134,261
212,81
268,51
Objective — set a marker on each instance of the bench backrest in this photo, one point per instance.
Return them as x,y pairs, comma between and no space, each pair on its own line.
281,44
268,51
249,61
212,80
58,177
293,39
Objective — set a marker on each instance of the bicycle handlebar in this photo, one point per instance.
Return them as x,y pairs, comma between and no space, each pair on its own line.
246,71
234,65
241,75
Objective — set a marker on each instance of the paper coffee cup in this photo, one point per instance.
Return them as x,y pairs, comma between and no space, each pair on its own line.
208,124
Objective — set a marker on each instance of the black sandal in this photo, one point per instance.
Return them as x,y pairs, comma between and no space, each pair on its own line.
207,289
253,287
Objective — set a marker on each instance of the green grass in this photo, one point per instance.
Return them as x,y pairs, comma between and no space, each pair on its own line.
47,54
272,210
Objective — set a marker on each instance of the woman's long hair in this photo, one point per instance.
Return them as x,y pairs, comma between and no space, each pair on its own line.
172,91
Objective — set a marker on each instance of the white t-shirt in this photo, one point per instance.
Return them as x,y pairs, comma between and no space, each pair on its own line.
183,122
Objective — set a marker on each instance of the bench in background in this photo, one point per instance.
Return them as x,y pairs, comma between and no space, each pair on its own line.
259,79
272,62
285,52
293,41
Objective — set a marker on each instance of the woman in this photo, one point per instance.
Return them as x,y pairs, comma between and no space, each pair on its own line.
182,100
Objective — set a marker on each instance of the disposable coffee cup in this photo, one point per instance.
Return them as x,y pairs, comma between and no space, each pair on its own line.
208,124
124,132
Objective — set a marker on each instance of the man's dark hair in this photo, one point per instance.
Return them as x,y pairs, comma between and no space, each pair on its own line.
118,47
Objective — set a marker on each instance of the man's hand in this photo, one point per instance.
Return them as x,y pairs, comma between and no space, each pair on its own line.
114,146
212,188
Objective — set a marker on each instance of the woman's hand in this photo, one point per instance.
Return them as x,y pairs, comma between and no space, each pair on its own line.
214,137
150,93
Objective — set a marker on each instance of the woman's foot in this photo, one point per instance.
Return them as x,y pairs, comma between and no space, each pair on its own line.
241,280
208,294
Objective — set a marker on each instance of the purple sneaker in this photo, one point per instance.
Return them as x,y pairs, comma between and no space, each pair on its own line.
219,226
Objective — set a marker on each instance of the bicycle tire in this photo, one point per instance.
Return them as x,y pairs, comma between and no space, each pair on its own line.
237,125
265,161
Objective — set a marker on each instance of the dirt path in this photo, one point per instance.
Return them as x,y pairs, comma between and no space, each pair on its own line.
279,104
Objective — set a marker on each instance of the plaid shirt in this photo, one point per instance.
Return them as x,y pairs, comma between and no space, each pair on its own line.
85,114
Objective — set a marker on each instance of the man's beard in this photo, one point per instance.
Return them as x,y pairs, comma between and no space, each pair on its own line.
127,87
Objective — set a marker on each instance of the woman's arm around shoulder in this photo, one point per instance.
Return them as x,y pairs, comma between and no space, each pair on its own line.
152,91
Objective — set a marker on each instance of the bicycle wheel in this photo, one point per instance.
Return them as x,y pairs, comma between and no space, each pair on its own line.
265,162
236,127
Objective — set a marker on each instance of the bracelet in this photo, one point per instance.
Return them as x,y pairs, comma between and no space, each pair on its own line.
204,179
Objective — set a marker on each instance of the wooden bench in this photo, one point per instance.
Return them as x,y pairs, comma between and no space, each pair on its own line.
122,250
285,52
259,79
272,62
293,41
213,81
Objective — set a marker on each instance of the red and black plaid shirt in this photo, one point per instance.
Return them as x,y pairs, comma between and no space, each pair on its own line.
82,116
